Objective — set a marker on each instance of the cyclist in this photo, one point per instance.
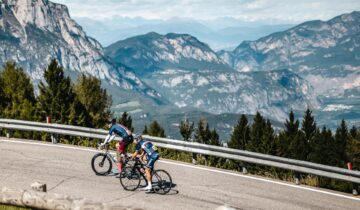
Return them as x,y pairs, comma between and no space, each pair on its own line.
125,139
152,156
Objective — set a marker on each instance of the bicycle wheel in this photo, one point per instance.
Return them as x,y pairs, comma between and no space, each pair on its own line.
131,178
162,181
101,164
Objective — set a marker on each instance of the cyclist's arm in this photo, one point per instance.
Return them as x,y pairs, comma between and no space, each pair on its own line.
142,153
135,154
137,148
109,138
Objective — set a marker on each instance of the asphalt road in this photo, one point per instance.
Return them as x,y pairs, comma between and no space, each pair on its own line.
67,170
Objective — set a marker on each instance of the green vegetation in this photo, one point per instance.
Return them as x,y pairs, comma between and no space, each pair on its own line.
16,93
86,103
301,141
6,207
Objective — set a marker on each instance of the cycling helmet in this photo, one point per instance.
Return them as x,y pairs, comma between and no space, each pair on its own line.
137,137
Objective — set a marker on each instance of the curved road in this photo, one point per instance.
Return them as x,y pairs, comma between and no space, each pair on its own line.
67,170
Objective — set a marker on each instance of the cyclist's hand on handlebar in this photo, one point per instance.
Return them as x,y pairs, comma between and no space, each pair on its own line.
101,146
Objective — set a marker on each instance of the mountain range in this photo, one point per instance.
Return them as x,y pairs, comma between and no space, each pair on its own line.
221,33
314,64
189,74
326,53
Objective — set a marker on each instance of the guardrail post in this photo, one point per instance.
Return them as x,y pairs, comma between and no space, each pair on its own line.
354,186
194,158
53,138
297,178
244,169
8,133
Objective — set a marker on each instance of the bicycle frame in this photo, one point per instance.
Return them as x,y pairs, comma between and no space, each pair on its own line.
113,158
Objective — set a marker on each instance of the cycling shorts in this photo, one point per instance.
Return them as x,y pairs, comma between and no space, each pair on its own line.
151,160
124,143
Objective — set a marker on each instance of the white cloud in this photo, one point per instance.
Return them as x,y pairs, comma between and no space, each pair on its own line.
277,11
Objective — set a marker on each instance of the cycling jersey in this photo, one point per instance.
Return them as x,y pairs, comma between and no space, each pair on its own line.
150,150
120,130
147,146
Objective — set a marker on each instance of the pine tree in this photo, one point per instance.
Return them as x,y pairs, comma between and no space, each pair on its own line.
78,114
3,99
145,131
290,132
214,138
126,121
256,133
309,129
319,147
341,140
17,92
268,144
56,95
202,132
94,99
353,148
291,126
241,134
156,130
354,132
186,129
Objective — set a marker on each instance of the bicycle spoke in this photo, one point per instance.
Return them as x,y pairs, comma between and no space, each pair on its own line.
101,164
131,179
162,181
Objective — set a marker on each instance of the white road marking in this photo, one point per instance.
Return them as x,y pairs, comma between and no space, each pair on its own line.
196,167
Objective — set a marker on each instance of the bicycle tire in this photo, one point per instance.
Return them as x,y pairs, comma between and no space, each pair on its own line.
130,181
104,162
162,182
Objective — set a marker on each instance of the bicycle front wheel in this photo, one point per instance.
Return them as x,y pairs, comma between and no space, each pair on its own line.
101,164
130,178
162,181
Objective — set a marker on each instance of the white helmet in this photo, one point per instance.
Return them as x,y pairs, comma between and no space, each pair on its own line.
137,137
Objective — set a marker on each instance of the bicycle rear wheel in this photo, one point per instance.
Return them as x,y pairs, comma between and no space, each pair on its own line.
101,164
162,181
131,178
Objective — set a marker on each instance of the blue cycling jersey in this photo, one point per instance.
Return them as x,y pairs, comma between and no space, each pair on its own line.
147,146
119,130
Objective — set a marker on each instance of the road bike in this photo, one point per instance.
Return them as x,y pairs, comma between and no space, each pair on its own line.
133,173
102,162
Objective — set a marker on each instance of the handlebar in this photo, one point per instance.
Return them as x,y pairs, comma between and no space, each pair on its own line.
101,147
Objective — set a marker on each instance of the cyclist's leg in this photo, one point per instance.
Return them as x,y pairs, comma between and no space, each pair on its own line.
120,150
151,159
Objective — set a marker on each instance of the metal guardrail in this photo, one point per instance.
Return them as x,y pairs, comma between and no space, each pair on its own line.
234,154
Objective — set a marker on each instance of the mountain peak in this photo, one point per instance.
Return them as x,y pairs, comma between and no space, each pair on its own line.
35,31
153,52
41,13
153,34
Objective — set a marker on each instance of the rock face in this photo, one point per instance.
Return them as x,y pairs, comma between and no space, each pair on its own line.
34,31
189,74
327,54
273,93
154,52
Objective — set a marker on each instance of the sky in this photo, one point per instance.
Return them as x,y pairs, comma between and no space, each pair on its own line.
270,11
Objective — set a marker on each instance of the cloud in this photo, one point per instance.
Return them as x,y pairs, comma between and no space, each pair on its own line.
279,11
